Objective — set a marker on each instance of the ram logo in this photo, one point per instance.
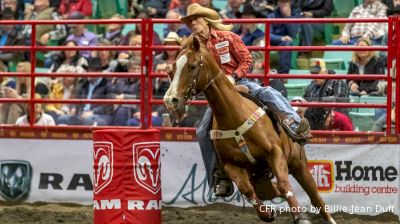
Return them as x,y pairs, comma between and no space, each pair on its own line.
103,161
15,179
146,165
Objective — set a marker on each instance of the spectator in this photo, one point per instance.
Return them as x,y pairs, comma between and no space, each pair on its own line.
327,119
154,8
231,9
250,34
114,31
180,5
208,4
364,62
40,117
68,7
313,9
9,36
156,120
181,29
41,10
283,34
299,110
125,89
63,88
138,31
68,58
325,90
10,112
81,35
264,7
380,124
374,31
90,88
15,7
107,57
134,41
162,60
391,6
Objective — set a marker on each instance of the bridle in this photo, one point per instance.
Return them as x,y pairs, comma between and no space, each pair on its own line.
191,92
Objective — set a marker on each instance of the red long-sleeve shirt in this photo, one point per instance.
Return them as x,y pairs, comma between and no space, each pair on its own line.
230,52
82,6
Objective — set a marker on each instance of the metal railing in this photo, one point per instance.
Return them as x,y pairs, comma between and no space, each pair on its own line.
147,75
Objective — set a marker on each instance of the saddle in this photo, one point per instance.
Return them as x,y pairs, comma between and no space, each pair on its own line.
269,113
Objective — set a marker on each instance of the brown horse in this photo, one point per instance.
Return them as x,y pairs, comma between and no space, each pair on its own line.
196,71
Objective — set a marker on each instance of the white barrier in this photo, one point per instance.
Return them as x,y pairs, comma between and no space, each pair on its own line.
360,179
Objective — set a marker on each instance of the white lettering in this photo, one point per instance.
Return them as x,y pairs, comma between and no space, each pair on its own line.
135,205
131,204
110,204
96,205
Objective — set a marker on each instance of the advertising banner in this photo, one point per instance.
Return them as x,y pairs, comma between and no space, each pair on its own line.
127,179
360,179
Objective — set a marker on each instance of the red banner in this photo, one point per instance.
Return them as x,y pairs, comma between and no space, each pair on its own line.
126,176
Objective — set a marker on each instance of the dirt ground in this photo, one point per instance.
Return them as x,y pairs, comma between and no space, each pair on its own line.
40,213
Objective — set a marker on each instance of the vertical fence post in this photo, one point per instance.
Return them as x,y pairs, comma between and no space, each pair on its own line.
266,52
149,51
144,72
32,77
396,55
389,78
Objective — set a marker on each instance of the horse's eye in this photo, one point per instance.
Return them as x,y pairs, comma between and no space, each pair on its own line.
192,67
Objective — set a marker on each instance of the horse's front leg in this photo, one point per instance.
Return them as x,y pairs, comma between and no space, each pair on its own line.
241,177
279,167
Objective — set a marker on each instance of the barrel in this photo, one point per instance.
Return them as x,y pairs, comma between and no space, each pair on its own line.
126,176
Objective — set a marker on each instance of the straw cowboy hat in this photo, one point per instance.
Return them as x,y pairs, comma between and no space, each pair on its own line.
173,37
196,10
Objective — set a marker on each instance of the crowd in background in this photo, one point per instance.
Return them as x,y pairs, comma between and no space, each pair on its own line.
81,87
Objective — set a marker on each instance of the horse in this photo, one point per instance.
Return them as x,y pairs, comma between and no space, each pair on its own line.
196,71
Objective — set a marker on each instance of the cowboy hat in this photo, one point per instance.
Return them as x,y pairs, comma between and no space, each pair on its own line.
173,37
196,10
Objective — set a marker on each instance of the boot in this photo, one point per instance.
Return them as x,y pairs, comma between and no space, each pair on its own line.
299,132
222,185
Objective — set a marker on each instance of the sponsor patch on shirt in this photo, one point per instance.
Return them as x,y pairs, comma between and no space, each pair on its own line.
223,51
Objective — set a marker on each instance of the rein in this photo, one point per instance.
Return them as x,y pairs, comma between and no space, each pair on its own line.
191,92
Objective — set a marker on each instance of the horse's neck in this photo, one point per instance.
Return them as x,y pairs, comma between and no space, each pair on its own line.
222,97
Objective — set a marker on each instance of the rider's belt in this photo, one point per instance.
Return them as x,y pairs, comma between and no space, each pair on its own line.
238,133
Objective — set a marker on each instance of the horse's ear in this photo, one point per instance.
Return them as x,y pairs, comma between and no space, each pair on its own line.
196,44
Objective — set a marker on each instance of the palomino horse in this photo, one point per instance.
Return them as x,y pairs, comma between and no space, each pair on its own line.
195,71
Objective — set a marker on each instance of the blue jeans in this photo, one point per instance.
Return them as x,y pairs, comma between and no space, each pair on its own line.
307,32
285,57
267,95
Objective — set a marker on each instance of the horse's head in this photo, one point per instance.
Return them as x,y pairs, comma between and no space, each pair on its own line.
186,75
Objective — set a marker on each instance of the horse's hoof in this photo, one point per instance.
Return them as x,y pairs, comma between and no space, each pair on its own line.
267,216
302,221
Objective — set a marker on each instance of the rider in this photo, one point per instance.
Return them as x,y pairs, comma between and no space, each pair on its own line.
235,60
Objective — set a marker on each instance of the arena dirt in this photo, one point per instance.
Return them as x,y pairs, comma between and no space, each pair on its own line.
40,213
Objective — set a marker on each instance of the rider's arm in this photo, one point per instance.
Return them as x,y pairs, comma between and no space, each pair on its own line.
242,55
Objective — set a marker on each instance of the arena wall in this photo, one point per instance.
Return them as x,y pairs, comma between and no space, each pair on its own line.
360,178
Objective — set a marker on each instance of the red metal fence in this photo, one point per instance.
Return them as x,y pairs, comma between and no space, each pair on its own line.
147,75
